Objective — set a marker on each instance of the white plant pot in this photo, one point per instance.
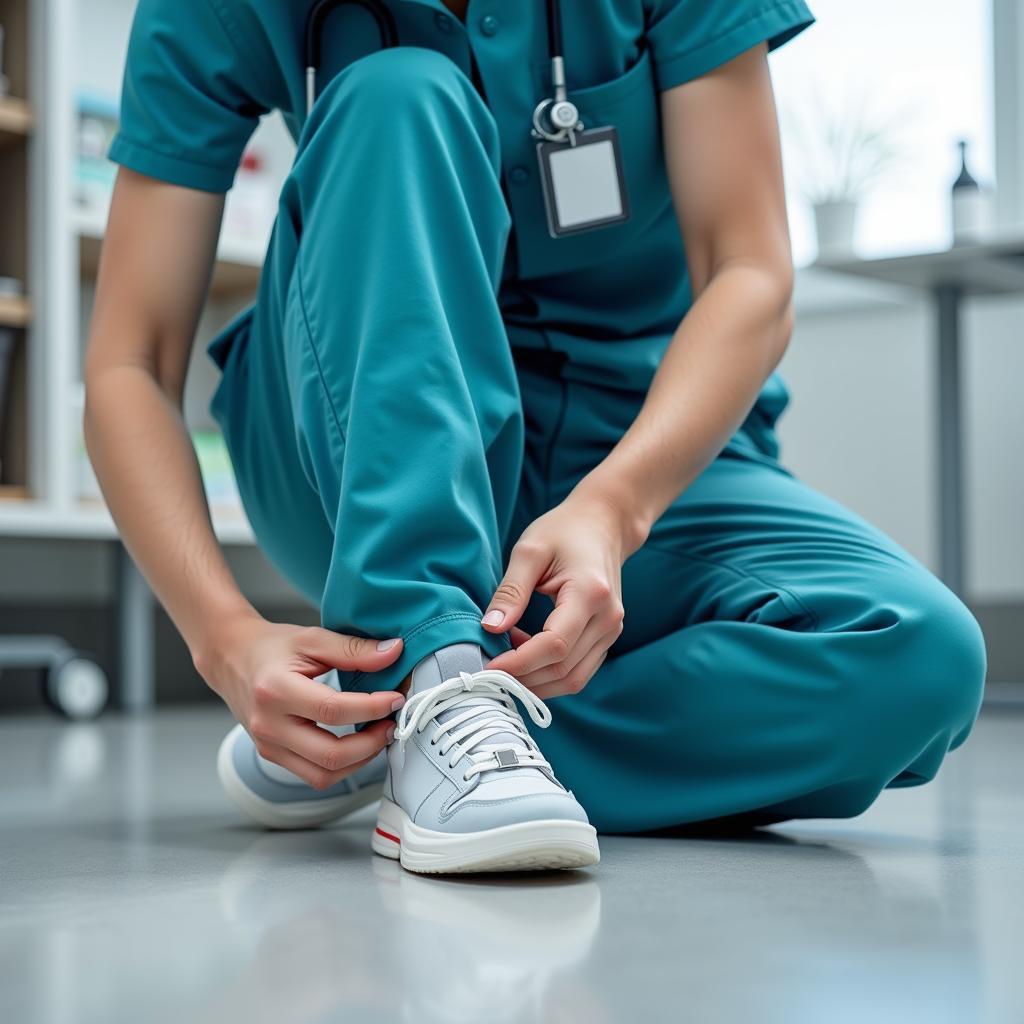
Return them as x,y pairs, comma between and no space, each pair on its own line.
834,222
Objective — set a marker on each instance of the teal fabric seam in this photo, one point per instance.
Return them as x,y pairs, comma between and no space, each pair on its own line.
783,592
233,31
310,337
709,55
427,624
149,160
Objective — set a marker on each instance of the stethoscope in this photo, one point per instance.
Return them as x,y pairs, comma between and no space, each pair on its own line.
555,119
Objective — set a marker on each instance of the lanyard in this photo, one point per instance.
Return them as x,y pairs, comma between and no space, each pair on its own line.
554,119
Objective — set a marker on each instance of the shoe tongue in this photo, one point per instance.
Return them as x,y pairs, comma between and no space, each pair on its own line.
447,663
435,668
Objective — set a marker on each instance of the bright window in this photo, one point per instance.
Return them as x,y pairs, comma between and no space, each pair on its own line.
921,72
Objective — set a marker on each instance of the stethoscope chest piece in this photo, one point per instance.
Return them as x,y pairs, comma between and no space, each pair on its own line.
556,120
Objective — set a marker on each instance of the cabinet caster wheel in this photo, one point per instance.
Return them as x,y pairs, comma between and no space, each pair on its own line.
76,687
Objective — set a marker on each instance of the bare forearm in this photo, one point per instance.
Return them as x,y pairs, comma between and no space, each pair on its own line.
154,278
726,346
147,468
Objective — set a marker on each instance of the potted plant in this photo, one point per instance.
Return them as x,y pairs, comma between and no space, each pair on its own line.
842,151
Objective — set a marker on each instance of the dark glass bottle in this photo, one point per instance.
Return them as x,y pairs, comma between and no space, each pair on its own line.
969,204
964,179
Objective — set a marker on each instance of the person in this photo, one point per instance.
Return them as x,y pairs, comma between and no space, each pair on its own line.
510,456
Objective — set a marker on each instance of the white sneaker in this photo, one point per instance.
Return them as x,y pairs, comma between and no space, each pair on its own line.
468,788
276,798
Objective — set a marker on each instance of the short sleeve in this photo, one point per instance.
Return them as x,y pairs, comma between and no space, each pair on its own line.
689,38
186,114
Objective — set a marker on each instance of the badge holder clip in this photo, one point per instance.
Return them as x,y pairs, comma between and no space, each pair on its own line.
580,169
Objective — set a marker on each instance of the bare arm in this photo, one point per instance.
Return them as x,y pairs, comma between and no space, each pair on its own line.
154,276
725,169
153,279
722,150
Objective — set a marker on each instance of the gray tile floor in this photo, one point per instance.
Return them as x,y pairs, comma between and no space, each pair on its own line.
130,891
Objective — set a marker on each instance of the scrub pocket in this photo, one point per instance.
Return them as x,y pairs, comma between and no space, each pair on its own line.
629,103
226,351
756,438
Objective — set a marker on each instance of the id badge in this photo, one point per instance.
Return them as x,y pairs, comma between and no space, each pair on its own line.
584,186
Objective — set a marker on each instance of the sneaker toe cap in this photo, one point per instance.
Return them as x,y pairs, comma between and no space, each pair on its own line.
471,815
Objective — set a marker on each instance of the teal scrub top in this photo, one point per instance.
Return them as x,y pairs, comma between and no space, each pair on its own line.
199,75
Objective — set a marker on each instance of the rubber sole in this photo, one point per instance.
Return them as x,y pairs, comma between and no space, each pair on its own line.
528,846
294,814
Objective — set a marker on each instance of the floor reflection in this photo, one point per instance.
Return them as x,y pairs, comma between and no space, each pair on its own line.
129,890
427,949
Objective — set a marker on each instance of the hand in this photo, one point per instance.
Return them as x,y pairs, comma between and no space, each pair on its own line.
573,553
265,672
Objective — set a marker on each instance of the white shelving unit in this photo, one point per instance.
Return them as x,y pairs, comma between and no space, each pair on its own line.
64,254
64,247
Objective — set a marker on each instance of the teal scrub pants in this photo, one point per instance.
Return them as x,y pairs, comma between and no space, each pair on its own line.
780,658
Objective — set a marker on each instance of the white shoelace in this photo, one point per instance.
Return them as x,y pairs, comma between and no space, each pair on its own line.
479,721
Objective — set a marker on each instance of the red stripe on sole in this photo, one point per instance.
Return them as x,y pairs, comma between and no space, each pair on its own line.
387,835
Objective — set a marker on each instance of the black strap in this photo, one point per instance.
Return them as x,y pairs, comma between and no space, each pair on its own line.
555,47
547,361
388,27
320,11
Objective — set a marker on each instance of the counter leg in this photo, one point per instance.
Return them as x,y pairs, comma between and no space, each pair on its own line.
135,641
949,417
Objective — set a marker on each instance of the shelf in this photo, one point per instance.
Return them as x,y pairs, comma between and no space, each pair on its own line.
15,311
992,267
90,520
235,273
15,120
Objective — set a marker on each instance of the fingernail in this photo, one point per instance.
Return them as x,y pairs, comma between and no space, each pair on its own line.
391,733
399,701
494,618
386,645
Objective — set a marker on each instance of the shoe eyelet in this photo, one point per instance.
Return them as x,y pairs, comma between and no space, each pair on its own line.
465,777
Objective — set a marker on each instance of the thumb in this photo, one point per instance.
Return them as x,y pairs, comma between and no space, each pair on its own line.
526,565
340,650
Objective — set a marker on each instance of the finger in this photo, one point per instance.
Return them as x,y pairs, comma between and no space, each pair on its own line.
526,565
596,633
312,774
542,649
601,631
331,752
518,636
577,679
575,608
351,653
296,694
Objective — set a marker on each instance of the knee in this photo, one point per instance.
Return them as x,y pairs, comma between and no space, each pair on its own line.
927,686
383,89
942,655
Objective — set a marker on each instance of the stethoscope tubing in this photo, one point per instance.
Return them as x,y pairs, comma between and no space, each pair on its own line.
388,29
313,37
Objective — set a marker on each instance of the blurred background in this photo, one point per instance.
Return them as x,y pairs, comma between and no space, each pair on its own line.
903,130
